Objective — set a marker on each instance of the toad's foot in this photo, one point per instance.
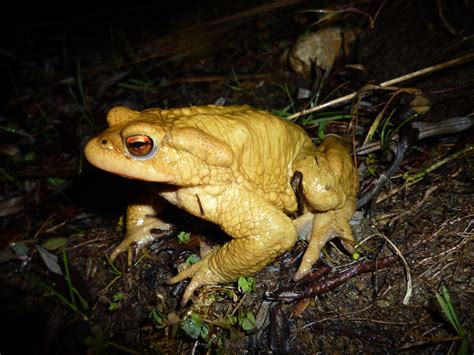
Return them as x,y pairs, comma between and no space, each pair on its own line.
326,226
141,222
200,274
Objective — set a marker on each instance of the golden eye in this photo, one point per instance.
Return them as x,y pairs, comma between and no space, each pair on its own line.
140,146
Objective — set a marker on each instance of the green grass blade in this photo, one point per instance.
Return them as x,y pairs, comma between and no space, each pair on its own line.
67,277
453,317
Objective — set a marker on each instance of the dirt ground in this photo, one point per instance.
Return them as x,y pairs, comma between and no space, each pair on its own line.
60,217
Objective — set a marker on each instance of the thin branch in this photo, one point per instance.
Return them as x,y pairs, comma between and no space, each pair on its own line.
330,283
422,72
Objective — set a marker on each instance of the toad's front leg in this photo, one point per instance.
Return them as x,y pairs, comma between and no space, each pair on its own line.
261,233
141,221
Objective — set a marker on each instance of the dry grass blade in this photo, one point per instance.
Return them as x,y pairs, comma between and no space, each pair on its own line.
379,117
407,297
450,63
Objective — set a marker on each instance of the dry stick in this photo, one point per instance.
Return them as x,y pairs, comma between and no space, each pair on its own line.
418,73
326,285
412,179
211,78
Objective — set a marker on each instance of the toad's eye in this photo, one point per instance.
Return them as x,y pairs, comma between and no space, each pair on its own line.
140,146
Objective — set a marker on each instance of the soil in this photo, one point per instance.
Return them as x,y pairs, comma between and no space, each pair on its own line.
61,218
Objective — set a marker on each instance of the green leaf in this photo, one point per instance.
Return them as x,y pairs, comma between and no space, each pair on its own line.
246,284
192,259
447,307
452,316
56,182
251,317
119,296
54,243
247,325
120,224
249,322
84,304
158,318
20,248
356,255
114,306
232,320
30,156
184,237
464,348
192,326
204,331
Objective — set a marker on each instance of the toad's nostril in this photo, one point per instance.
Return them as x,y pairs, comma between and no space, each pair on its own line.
104,141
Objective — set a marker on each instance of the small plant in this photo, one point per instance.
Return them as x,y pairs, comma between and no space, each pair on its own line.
444,300
246,284
192,259
158,318
120,227
56,182
184,237
371,164
195,327
116,301
246,320
54,243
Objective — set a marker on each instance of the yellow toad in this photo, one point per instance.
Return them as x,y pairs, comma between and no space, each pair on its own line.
232,166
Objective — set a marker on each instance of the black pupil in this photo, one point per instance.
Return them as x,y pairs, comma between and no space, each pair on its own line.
138,145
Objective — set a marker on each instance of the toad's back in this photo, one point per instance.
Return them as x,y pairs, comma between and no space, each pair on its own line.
264,145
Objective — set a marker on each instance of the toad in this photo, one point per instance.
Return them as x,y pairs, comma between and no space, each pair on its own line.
232,166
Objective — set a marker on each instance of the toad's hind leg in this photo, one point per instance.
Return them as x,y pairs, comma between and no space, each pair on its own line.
330,184
261,233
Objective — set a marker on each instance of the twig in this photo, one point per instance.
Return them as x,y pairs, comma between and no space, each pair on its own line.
406,299
429,341
400,79
211,78
238,305
333,282
415,178
426,129
418,176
